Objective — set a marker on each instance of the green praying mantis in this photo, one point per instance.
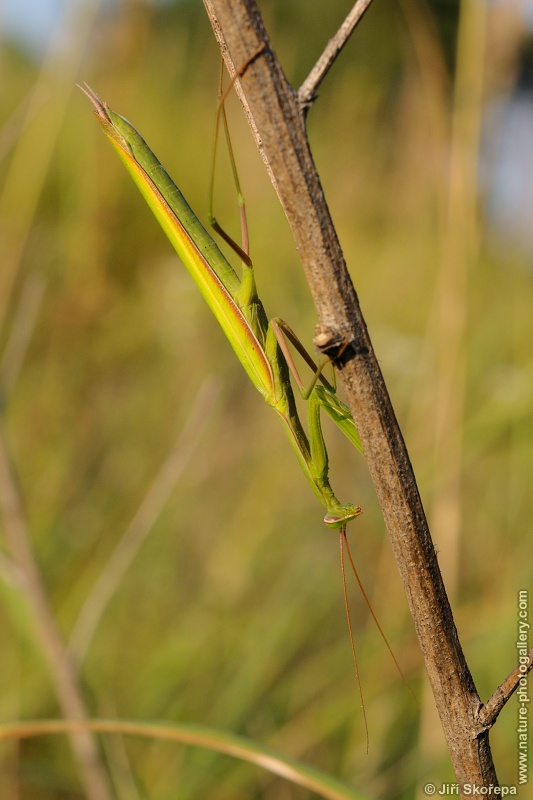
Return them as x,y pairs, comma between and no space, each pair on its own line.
260,344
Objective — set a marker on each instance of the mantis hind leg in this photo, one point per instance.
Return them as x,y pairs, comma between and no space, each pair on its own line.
242,250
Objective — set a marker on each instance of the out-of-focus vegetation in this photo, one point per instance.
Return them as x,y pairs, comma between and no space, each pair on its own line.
231,614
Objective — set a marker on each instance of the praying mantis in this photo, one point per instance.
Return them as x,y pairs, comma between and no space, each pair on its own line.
260,344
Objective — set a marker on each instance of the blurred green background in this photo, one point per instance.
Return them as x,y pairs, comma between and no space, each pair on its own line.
182,553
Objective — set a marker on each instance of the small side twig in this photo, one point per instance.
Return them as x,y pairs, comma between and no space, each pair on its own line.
488,713
307,91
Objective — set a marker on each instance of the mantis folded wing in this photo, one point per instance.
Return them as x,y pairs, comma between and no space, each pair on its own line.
236,305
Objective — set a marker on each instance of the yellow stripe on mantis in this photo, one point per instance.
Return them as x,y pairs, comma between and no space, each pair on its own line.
214,275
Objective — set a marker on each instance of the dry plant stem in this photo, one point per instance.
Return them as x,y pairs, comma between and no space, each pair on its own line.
277,123
307,91
68,692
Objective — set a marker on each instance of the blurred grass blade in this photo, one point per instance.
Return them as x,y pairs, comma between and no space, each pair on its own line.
199,736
